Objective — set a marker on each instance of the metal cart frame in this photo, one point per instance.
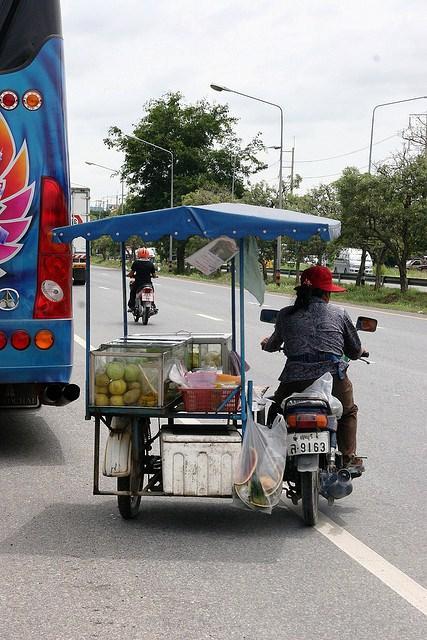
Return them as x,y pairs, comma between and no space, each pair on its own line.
210,221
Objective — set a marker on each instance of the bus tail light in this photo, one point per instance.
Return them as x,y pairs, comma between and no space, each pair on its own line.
8,100
32,100
20,340
3,340
54,269
44,339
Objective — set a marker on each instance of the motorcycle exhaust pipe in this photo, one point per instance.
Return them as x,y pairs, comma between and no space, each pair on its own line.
59,395
337,485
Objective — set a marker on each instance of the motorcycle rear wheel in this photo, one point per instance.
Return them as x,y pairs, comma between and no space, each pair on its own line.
310,496
145,314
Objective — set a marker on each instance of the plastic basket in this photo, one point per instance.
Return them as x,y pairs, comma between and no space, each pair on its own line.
210,399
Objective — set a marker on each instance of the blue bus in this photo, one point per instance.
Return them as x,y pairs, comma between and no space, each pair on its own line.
36,332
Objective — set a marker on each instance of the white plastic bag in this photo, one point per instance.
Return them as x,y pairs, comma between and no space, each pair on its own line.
258,478
321,388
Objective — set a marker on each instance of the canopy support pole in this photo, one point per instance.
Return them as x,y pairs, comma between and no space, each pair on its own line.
87,334
233,304
125,315
242,330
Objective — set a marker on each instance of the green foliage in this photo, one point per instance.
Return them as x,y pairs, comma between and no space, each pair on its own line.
386,212
205,148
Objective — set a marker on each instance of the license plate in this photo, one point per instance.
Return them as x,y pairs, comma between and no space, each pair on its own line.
311,442
147,297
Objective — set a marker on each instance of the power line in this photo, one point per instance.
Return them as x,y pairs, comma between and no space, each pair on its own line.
349,153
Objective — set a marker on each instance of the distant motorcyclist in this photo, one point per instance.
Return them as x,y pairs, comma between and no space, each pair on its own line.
315,336
142,270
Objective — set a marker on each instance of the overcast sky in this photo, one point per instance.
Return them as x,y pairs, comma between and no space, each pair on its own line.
326,62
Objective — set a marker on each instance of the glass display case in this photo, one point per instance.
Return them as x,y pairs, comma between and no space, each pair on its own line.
134,372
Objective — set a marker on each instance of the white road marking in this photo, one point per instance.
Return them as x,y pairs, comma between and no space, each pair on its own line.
390,575
202,315
106,288
200,293
257,304
81,342
189,421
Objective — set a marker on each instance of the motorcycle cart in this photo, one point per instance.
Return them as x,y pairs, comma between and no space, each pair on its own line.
198,432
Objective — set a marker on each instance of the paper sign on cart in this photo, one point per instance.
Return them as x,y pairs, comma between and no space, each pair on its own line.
209,258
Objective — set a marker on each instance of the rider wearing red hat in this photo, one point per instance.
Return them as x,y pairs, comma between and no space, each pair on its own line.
314,336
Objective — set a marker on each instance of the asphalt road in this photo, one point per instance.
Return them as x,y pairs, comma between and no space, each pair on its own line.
195,569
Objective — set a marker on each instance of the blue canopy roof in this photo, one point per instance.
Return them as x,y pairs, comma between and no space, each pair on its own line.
210,221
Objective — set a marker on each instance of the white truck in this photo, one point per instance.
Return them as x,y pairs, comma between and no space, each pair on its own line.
348,261
80,210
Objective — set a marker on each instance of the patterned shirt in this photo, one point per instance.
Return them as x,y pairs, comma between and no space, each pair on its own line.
317,332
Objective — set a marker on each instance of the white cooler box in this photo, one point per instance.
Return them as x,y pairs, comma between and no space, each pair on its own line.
199,462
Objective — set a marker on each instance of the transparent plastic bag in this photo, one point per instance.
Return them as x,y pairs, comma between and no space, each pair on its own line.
321,388
258,478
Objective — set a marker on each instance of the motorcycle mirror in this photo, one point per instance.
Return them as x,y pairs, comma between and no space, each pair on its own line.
366,324
268,315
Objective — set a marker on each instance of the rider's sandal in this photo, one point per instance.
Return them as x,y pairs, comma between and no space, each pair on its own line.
354,463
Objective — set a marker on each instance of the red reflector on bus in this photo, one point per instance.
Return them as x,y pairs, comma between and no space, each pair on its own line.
54,269
3,340
20,340
8,100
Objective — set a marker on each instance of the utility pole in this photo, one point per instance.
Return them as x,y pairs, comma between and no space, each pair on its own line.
292,168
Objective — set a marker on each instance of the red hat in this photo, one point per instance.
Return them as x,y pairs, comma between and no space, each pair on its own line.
319,278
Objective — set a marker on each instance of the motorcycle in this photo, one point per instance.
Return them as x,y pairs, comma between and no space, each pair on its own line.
314,464
144,303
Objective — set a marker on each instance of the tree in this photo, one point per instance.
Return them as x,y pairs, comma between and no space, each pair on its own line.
321,201
402,195
205,147
356,193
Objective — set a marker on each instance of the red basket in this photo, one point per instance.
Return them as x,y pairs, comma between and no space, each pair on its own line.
209,399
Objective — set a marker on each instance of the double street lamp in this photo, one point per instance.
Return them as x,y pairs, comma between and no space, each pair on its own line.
385,104
156,146
217,87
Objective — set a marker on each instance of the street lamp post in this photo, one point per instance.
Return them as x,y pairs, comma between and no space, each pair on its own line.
156,146
115,172
217,87
385,104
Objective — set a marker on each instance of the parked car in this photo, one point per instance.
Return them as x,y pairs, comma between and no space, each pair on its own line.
420,264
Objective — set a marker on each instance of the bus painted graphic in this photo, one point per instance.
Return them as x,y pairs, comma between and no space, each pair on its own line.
16,194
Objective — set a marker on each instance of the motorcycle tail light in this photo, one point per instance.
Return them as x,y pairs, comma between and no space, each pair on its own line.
307,421
146,290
